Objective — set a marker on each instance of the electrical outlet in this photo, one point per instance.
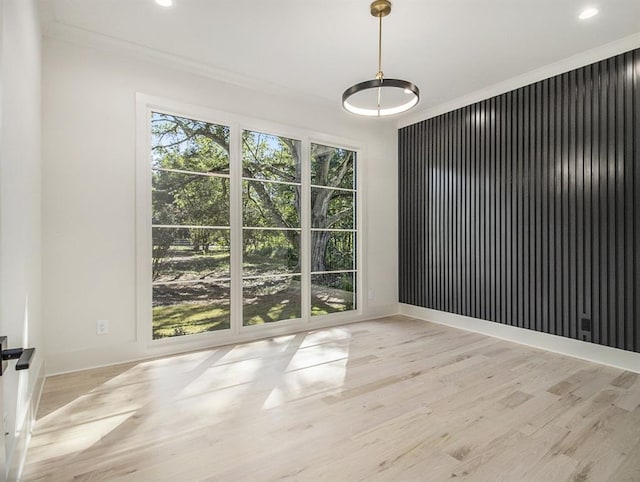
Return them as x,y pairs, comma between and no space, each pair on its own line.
585,324
372,295
102,327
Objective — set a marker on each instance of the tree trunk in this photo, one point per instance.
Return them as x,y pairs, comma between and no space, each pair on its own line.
318,250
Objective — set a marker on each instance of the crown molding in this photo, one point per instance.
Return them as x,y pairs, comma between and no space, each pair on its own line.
565,65
54,29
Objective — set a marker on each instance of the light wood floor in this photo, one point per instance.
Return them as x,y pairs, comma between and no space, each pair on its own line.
391,399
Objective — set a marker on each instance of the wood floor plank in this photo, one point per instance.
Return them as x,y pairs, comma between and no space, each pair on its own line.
629,469
384,400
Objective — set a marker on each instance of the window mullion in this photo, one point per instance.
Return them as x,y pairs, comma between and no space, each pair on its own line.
235,161
305,220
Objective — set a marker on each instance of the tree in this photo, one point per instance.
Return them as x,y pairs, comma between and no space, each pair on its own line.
330,208
186,144
180,198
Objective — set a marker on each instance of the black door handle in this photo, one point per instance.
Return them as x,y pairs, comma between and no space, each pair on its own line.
24,356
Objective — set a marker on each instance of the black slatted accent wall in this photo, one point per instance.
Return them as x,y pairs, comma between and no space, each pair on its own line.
524,209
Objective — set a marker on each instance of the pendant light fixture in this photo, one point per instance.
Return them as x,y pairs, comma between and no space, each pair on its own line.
380,97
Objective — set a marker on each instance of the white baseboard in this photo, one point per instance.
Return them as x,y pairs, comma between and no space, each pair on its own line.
16,460
72,361
627,360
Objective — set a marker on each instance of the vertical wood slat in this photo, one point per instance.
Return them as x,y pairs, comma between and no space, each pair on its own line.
524,209
628,197
594,306
635,259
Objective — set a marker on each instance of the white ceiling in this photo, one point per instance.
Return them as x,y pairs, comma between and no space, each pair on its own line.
449,48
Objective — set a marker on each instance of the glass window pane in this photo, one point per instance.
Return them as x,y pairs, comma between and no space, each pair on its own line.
332,251
270,252
188,144
190,254
332,166
333,292
266,300
189,308
189,199
332,209
265,156
268,204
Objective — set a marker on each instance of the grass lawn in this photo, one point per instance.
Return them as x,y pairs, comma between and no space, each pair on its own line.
189,318
186,302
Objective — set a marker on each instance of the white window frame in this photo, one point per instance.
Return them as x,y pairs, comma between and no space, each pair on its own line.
145,105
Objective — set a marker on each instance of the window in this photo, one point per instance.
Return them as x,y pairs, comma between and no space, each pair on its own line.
190,226
248,228
333,230
271,231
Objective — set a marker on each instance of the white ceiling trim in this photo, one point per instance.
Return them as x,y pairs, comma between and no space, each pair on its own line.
79,36
576,61
82,37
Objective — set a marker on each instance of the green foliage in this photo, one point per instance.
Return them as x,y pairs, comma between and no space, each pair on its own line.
270,252
191,187
270,205
189,199
188,144
266,156
332,167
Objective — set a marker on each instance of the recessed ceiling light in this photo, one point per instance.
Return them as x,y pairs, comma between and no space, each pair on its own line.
165,3
588,13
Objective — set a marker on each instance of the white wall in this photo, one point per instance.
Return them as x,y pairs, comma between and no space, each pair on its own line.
20,213
89,190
